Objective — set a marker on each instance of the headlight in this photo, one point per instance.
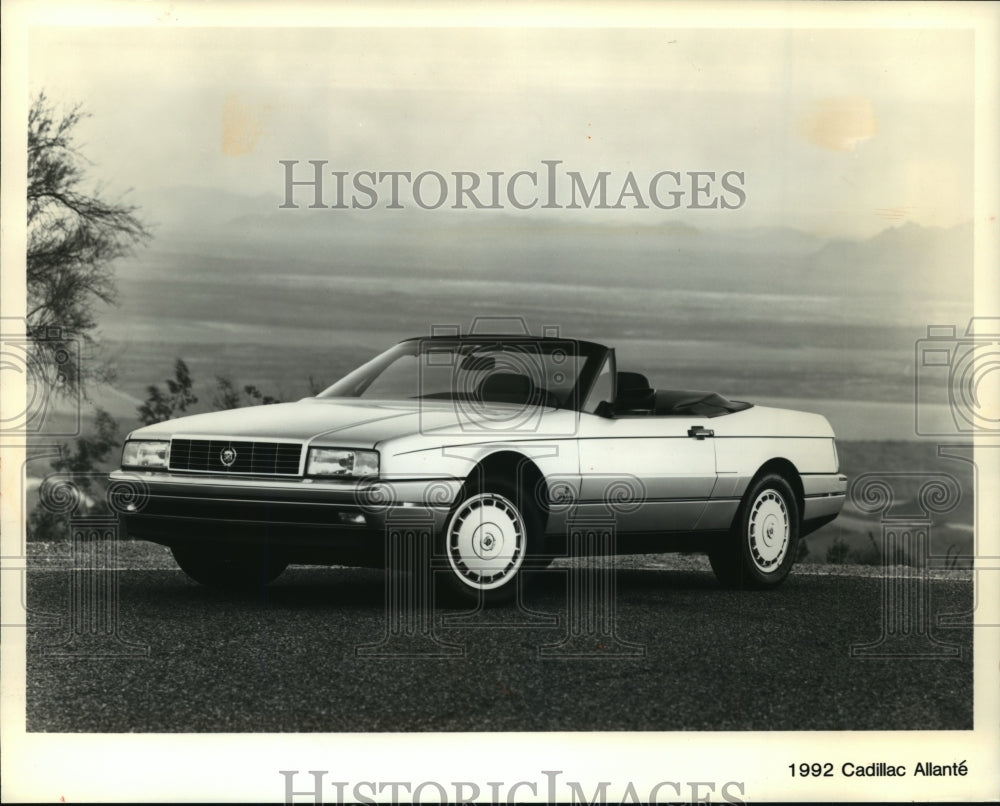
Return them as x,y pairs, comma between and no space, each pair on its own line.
345,462
149,455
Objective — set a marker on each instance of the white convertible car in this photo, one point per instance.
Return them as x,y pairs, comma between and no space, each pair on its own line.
499,447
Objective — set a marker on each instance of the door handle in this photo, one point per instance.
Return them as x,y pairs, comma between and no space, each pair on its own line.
700,432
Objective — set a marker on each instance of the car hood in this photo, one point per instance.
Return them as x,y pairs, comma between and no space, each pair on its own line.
352,421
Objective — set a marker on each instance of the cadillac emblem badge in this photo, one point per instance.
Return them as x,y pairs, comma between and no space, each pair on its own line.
227,456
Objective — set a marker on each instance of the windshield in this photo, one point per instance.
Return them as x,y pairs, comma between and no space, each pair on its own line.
545,372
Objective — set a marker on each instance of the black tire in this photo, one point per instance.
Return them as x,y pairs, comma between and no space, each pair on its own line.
761,546
490,536
247,570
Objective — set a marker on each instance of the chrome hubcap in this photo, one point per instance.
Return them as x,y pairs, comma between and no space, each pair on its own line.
486,540
768,531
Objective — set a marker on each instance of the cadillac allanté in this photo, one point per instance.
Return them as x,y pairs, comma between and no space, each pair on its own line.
498,447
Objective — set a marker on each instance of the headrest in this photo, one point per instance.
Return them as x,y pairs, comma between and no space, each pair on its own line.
631,382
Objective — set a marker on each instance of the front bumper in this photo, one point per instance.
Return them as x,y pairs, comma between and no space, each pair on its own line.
308,520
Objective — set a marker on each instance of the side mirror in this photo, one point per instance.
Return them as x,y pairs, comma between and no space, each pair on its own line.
605,409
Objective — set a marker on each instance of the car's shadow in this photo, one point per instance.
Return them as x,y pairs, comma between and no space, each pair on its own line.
366,589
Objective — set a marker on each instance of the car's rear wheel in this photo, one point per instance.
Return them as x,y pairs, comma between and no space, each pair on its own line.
486,541
228,570
760,549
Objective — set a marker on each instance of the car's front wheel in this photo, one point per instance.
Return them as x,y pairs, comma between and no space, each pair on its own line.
486,541
216,568
760,549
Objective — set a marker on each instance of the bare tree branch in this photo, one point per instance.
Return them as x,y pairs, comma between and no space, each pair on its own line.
74,237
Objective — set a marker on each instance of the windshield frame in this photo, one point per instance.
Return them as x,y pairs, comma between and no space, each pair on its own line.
354,384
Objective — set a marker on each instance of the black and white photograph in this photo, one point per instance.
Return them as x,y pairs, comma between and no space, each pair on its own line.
493,404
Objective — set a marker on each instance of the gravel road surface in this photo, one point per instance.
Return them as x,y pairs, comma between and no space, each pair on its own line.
683,654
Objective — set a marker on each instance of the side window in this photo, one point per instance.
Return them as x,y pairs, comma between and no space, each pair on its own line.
601,390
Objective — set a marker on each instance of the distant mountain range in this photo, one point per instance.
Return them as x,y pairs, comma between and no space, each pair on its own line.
931,259
908,260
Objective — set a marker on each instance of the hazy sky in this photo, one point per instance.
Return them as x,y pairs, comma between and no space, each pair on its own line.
836,132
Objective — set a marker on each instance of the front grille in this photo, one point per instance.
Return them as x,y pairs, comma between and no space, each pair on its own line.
264,458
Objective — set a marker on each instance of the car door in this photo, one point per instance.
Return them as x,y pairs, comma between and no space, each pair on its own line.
670,458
